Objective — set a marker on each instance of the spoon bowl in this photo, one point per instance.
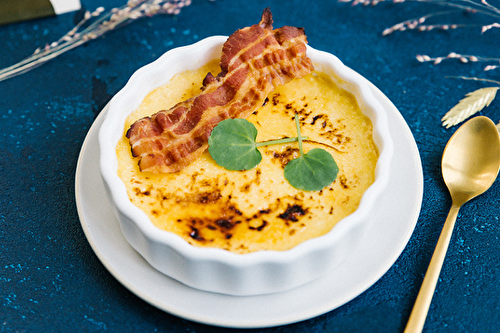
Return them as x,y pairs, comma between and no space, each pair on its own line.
470,160
470,164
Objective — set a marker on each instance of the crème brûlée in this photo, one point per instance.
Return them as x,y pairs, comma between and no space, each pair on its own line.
257,209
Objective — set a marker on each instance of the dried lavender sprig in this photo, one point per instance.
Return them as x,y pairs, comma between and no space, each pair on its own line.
417,24
65,43
103,22
481,7
461,57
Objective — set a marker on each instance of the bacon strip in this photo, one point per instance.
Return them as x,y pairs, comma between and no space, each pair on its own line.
254,61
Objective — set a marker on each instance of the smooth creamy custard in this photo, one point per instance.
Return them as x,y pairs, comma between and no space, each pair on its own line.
245,211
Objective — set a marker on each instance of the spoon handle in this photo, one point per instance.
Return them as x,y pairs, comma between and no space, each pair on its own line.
423,301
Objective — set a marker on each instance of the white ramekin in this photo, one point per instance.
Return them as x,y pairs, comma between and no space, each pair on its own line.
217,270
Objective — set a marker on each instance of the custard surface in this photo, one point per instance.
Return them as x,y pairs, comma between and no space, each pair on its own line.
246,211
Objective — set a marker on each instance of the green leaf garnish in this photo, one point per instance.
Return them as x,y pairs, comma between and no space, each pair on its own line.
232,145
312,171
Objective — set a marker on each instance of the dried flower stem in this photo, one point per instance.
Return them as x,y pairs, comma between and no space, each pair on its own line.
474,79
474,101
462,58
472,6
85,30
476,7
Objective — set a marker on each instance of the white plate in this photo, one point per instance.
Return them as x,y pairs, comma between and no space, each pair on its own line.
394,222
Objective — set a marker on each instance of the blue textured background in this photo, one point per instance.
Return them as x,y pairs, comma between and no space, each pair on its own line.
50,279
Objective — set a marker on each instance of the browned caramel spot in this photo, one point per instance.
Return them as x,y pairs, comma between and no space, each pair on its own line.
285,156
292,213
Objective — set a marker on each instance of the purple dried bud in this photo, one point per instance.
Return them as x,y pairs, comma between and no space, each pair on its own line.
387,32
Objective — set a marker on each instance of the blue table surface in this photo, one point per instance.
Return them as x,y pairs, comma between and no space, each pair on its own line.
51,280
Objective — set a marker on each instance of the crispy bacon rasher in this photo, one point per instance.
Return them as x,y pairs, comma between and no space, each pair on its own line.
254,61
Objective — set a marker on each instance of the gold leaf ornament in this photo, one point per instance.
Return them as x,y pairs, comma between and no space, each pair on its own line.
473,102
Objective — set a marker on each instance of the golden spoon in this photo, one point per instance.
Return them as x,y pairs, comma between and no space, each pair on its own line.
470,164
